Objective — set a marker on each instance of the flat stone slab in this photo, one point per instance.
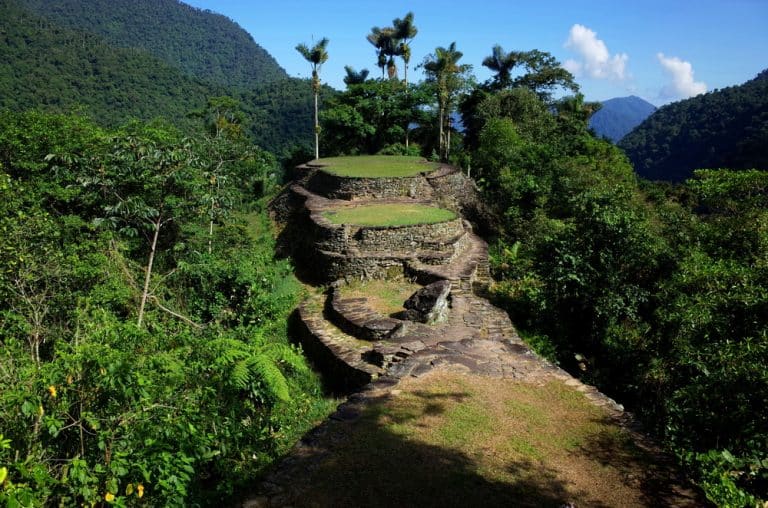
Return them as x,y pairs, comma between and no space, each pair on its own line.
354,317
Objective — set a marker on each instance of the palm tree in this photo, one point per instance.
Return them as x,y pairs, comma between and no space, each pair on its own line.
405,31
387,47
446,73
502,64
316,56
354,77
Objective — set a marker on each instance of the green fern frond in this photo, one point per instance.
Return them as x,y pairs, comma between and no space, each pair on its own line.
272,377
229,351
288,356
240,375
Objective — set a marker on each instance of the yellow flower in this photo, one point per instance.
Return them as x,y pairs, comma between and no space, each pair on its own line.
109,497
52,391
140,490
70,379
102,371
129,489
40,410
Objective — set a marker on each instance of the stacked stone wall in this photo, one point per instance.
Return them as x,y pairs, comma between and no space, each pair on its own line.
334,266
401,239
349,188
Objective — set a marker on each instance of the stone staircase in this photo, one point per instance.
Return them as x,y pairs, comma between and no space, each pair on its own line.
366,353
350,341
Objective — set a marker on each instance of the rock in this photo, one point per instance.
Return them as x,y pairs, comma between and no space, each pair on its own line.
429,304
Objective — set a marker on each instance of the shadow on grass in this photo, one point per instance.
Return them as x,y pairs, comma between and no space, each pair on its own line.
644,467
372,462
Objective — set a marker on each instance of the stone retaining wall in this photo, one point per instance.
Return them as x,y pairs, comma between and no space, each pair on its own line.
346,376
342,238
354,317
348,188
334,266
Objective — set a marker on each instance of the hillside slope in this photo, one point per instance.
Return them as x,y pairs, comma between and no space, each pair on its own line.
203,44
726,128
46,66
619,116
58,69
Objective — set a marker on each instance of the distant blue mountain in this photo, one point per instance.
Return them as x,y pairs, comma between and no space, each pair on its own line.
619,116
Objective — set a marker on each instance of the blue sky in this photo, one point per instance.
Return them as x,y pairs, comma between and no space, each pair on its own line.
660,50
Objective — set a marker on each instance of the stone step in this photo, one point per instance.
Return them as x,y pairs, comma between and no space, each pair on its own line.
461,268
339,355
353,316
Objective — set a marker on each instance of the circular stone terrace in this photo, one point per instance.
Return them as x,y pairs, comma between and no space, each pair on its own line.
371,177
389,215
375,166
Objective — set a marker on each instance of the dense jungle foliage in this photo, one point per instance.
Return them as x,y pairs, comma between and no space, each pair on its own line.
726,128
656,294
48,66
202,44
173,388
143,350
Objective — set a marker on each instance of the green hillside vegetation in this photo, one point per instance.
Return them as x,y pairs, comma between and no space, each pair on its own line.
144,357
59,69
726,128
202,44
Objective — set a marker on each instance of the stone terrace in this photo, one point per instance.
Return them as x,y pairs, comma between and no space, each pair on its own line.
358,348
350,341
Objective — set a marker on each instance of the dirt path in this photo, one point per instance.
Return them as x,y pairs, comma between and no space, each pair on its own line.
476,423
463,413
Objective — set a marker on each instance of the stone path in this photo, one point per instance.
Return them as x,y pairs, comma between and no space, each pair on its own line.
364,351
505,359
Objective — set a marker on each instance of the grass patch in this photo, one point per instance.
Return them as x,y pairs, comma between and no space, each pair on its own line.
376,166
384,296
449,439
389,214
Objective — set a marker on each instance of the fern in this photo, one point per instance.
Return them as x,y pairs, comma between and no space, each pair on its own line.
245,363
272,377
288,356
240,375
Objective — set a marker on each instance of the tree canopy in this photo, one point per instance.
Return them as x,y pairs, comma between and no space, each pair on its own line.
724,128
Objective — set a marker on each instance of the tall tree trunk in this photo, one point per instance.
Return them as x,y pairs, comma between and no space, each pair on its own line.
405,75
317,131
148,275
442,140
447,136
210,235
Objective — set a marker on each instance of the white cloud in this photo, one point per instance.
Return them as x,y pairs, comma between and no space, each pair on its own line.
595,60
681,74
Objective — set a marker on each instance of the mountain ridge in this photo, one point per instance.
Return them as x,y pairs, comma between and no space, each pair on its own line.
725,128
618,116
203,44
54,68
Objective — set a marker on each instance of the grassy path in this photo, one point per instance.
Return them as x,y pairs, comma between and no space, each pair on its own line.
454,437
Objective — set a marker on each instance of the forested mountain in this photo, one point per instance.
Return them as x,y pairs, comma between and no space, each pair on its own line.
46,66
203,44
726,128
619,116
